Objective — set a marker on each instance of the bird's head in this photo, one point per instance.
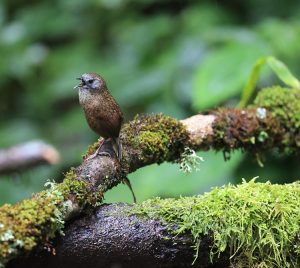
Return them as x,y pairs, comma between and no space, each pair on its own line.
91,82
91,85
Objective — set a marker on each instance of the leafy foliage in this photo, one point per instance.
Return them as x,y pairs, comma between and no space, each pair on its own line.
174,57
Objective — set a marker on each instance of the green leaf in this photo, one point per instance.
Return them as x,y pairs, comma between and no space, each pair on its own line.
278,67
223,74
251,84
283,73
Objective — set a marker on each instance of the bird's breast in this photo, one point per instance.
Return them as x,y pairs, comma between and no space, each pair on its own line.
102,112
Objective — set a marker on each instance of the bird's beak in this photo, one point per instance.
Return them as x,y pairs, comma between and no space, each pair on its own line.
78,78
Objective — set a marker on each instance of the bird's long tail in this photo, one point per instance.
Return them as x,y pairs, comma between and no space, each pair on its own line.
117,146
127,182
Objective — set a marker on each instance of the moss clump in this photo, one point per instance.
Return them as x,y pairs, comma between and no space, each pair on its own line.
29,222
154,138
256,223
37,220
284,104
249,130
79,190
273,121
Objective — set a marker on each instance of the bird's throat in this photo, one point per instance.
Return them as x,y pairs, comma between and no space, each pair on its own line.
85,96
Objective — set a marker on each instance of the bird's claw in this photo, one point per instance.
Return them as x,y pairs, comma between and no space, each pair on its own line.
104,154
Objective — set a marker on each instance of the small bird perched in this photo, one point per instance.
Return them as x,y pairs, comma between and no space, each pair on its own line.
102,113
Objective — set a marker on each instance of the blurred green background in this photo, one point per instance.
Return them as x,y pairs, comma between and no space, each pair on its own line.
175,57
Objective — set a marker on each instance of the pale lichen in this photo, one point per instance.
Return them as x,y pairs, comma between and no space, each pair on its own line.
189,160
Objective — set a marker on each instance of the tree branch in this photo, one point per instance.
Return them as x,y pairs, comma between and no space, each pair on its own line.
27,155
111,237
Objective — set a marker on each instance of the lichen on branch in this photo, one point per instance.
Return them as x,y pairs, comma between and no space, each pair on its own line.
245,130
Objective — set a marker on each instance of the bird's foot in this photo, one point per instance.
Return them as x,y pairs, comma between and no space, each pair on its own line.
108,149
97,152
104,154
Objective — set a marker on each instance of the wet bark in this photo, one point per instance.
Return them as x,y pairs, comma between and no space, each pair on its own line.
109,237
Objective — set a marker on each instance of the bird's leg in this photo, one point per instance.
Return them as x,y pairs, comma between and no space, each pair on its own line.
117,147
97,151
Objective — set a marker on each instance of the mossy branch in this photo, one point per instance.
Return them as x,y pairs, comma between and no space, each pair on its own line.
249,225
272,123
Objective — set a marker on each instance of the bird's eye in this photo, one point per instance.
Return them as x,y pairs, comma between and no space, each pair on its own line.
91,81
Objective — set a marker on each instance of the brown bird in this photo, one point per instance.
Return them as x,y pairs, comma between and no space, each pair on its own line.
102,113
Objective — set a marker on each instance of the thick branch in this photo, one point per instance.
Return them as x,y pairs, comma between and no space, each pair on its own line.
248,225
27,155
111,237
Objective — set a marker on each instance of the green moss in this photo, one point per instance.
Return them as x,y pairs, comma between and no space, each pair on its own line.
284,104
37,220
155,144
154,138
256,223
30,221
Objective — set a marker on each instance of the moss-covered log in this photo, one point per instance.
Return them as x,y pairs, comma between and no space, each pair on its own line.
250,225
146,140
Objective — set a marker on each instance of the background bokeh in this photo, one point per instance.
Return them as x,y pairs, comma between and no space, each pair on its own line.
176,57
